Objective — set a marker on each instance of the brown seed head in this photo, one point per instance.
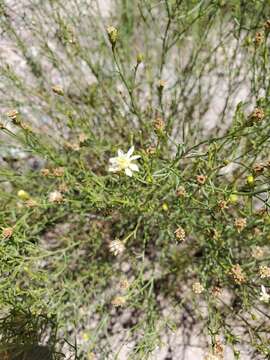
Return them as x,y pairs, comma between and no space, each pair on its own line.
264,272
7,232
201,179
57,89
12,114
238,274
240,224
257,114
181,191
259,38
159,124
180,234
118,301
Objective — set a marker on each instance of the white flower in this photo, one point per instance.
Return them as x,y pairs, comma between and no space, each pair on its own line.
264,296
55,197
116,247
124,162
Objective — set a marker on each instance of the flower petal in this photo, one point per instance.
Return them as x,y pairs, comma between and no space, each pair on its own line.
130,151
135,157
134,167
113,169
120,152
128,172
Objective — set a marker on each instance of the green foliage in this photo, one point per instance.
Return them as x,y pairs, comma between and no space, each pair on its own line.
187,84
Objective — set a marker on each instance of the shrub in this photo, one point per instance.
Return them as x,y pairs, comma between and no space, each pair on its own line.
134,176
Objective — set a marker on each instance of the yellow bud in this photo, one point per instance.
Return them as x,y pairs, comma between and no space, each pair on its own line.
23,195
139,58
250,180
165,207
233,199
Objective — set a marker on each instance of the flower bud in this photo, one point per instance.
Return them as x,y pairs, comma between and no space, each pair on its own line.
250,180
112,34
23,195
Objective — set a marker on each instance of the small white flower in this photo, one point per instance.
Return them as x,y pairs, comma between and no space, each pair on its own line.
123,161
55,197
264,296
116,247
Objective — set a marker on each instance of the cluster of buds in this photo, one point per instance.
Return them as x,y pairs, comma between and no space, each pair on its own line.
197,288
201,179
159,124
116,247
57,172
264,272
112,34
240,224
238,274
57,89
180,234
259,38
7,232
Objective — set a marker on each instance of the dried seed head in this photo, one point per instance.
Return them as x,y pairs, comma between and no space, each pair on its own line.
82,138
12,114
57,89
118,301
159,124
201,179
7,232
267,25
45,172
197,288
63,188
218,348
151,150
124,284
216,291
259,38
257,114
72,146
238,274
112,34
212,357
264,272
258,168
31,203
257,252
257,232
222,204
55,197
2,126
161,84
180,234
181,191
58,172
240,224
116,247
